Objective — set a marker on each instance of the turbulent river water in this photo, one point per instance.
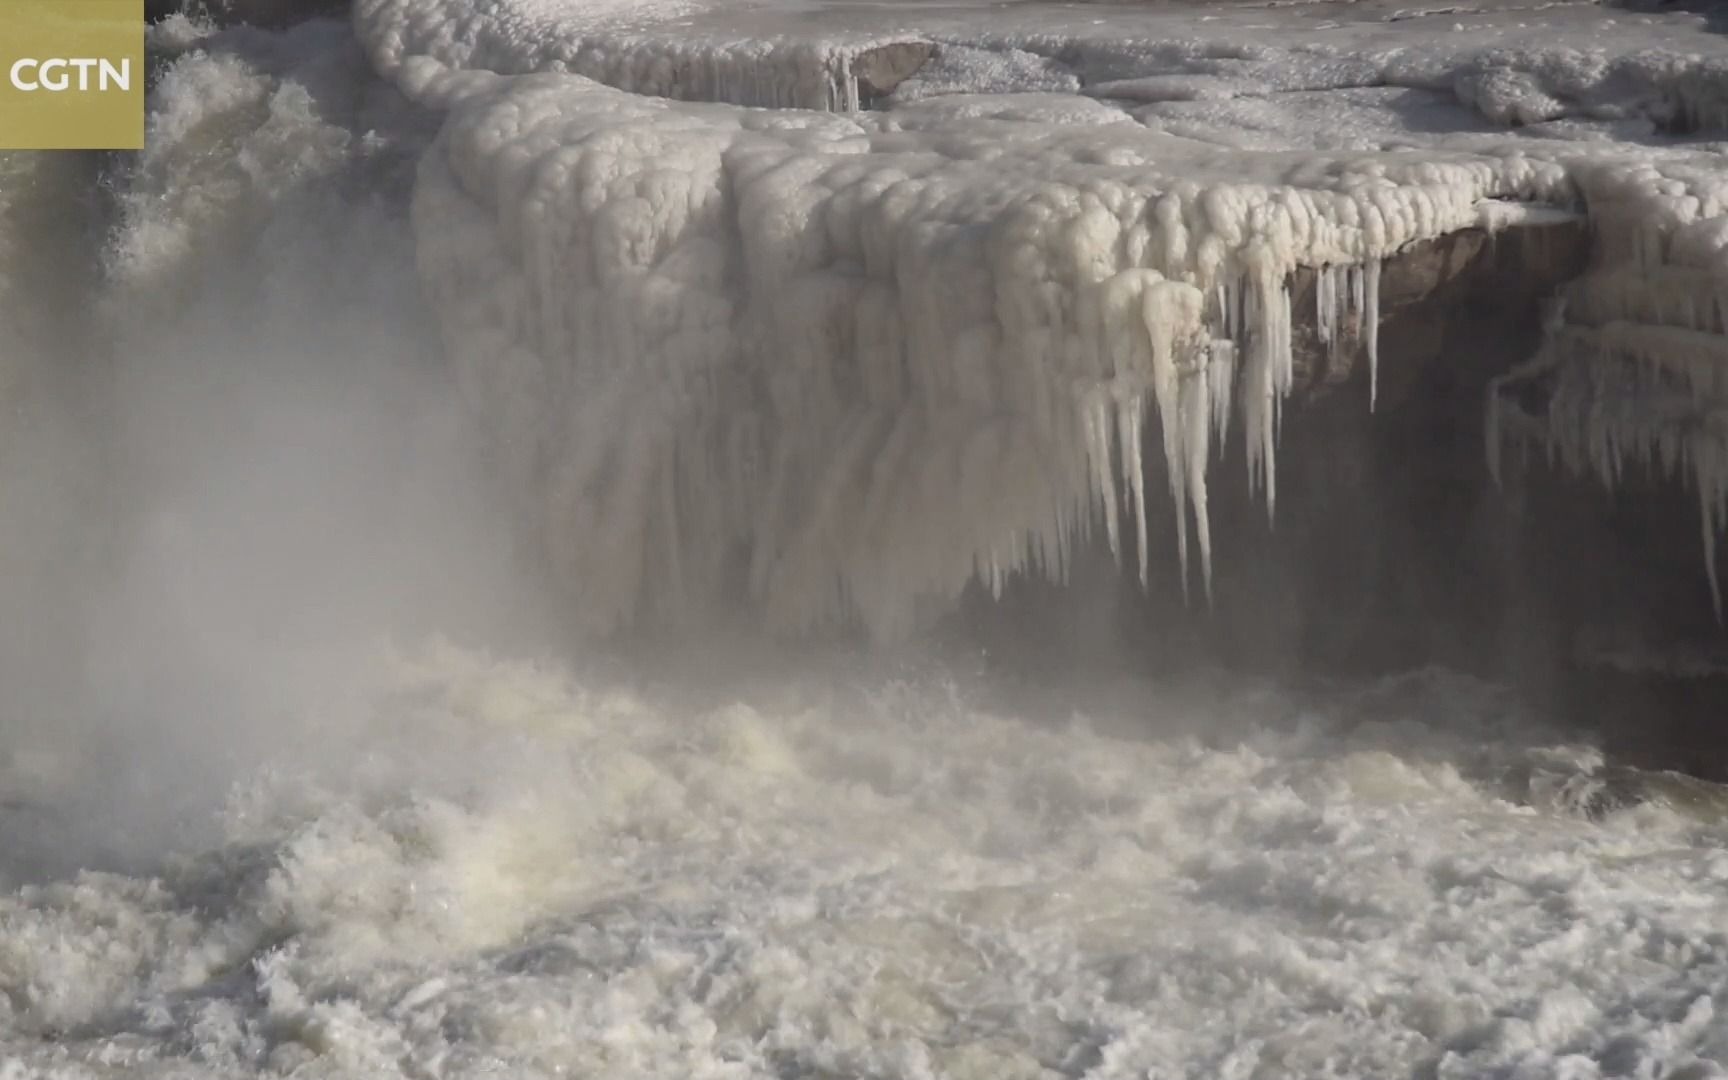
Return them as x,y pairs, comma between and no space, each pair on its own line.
268,819
496,868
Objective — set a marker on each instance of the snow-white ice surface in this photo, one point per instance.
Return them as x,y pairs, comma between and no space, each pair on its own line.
521,874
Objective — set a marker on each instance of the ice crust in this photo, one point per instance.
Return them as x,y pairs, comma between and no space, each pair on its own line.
878,355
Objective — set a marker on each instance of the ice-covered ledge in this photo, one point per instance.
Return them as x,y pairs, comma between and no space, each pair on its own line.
847,362
1509,62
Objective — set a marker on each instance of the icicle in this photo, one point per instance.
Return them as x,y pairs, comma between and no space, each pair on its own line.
1173,314
1095,413
1371,328
1160,327
1129,413
1344,306
1325,304
1197,412
1268,375
1220,385
1254,393
1231,290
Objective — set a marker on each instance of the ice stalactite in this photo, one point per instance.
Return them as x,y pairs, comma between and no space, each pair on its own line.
1269,372
1350,305
1176,357
1369,305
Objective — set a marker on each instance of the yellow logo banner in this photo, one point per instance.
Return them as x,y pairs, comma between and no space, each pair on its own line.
71,74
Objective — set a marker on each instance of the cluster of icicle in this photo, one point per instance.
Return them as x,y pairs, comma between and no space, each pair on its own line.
1634,363
837,369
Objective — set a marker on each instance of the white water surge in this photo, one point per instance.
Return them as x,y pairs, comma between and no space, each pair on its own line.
522,875
875,355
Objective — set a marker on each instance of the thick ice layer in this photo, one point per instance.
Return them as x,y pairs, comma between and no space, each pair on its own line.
523,875
844,364
1511,64
626,44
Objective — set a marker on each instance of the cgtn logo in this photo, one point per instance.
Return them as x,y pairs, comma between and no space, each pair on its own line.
71,74
61,75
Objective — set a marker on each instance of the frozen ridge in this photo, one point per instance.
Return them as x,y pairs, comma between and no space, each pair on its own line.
877,355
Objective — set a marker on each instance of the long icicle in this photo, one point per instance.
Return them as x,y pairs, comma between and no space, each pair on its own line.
1371,328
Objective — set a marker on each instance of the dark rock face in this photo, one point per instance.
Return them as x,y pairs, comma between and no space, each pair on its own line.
1392,548
1388,547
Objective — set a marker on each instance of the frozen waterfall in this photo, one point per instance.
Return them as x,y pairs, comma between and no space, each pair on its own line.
881,354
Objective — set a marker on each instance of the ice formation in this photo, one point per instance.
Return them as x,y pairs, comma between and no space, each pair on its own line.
1636,350
847,362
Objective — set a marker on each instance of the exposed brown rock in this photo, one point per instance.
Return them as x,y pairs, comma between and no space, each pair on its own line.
1426,284
885,67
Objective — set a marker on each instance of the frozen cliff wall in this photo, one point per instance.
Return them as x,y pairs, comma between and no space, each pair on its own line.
837,365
